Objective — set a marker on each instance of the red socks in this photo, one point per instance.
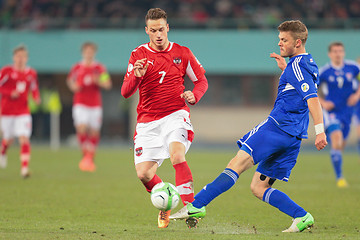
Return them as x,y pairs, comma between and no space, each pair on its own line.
82,139
25,154
150,184
88,143
93,142
4,147
184,182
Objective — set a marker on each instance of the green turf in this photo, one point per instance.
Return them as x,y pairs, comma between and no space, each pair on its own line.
60,202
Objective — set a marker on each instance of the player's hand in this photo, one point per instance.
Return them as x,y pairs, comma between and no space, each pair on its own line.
327,105
353,99
281,62
74,87
320,141
140,67
188,96
15,94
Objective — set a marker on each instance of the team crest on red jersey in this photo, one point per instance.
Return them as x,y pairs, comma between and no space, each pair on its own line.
177,60
138,151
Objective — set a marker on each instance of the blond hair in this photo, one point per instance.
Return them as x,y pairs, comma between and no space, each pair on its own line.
89,44
19,48
297,29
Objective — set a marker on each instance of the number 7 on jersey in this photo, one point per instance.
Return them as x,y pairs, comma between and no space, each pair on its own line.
163,73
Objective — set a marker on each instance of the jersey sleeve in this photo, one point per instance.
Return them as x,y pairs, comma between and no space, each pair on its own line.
194,69
72,73
196,73
131,82
301,78
4,76
357,71
34,87
104,76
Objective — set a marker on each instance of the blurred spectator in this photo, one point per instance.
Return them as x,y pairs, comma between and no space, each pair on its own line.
44,14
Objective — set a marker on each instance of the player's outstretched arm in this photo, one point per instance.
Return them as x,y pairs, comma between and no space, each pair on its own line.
317,115
281,62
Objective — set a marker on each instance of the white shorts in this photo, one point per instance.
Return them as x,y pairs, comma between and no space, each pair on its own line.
90,116
16,126
152,139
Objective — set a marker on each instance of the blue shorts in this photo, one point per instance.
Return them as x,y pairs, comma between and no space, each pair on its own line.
273,149
334,122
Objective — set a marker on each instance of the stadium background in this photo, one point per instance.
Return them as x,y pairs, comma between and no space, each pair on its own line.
232,39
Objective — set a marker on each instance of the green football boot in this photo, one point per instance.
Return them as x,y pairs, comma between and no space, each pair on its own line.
189,211
301,223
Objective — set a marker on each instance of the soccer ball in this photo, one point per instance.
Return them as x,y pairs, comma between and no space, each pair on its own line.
165,196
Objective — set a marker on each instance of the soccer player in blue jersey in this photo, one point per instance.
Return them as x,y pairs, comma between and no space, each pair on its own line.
274,144
339,86
357,114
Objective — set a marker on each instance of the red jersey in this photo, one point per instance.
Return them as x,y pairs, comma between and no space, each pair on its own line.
163,83
22,82
89,94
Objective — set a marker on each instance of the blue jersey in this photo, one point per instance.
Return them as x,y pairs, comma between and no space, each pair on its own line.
338,84
297,84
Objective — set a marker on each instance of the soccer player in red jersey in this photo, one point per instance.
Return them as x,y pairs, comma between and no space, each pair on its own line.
85,80
163,127
16,81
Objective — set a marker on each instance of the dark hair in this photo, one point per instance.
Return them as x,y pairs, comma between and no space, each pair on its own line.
335,44
297,29
88,44
155,14
19,48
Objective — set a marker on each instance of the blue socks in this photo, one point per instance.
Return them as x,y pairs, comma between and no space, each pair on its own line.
221,184
336,159
228,178
282,202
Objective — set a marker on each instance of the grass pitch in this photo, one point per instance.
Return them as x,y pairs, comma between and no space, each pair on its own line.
60,202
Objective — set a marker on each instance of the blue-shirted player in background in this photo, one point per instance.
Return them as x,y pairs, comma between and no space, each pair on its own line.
275,143
357,114
339,86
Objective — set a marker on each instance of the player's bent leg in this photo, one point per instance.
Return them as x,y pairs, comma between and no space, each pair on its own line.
240,163
3,156
87,163
94,138
336,155
281,201
25,150
183,175
146,171
82,137
259,184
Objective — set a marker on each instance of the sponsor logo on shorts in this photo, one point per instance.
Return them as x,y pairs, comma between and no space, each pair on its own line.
138,151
